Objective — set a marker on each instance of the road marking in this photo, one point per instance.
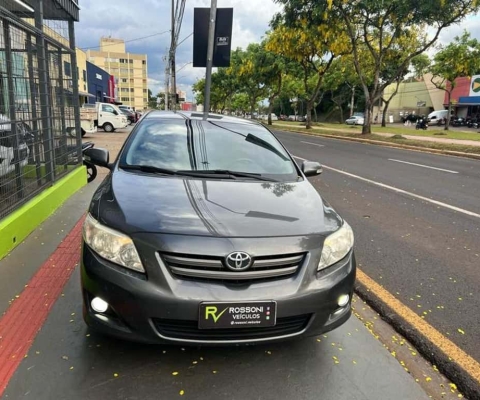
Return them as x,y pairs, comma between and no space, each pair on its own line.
438,203
423,166
315,144
450,349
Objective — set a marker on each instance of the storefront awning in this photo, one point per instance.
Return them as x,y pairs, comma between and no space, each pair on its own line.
85,94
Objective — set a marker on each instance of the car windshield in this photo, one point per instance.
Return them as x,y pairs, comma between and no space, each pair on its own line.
195,145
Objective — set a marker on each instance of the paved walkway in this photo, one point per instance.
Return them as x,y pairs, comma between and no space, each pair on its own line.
411,137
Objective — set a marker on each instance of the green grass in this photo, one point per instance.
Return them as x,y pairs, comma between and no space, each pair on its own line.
434,131
398,139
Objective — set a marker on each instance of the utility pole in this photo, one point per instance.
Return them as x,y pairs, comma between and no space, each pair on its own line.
172,59
167,80
211,40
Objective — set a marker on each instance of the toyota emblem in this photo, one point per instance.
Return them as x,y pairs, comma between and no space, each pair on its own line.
238,261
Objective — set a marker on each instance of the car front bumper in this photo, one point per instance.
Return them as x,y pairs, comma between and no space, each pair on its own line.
141,310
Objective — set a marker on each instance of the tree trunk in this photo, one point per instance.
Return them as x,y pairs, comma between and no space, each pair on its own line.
384,114
447,124
252,109
309,114
315,113
270,109
341,113
367,125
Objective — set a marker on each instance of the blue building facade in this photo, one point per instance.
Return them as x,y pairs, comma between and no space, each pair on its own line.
97,84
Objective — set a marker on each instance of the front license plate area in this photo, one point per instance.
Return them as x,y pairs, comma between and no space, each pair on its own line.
219,315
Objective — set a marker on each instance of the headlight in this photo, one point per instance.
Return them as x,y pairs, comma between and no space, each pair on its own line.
111,245
336,246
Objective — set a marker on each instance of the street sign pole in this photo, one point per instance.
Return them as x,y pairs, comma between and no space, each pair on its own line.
211,42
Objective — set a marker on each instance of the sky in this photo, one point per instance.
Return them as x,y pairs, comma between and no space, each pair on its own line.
134,19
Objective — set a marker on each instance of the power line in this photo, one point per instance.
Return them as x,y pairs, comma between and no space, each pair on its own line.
128,41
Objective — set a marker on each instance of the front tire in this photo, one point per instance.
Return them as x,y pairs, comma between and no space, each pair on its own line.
108,127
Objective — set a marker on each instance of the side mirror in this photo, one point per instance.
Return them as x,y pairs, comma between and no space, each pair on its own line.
98,157
311,168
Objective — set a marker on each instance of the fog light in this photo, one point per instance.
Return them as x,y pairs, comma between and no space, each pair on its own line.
99,305
343,300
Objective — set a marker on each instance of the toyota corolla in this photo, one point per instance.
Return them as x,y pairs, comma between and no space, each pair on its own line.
208,232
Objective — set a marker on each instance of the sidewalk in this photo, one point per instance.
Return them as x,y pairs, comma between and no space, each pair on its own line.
411,137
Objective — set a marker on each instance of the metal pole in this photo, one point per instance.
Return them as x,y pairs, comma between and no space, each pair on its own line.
172,59
167,83
12,114
45,105
211,40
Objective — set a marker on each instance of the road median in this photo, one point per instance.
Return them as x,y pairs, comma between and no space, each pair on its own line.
397,141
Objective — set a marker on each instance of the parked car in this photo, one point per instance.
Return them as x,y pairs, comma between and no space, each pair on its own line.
131,117
9,155
438,117
355,120
239,249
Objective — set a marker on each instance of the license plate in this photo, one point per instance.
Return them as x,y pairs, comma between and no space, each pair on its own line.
257,314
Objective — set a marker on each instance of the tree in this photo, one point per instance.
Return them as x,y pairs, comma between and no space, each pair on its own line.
312,47
152,100
380,26
420,65
461,58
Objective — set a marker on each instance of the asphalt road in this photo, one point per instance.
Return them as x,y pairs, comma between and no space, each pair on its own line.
427,254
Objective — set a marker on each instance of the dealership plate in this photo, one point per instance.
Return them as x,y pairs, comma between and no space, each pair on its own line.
219,315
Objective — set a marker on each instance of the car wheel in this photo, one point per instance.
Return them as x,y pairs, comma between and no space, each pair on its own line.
108,127
91,171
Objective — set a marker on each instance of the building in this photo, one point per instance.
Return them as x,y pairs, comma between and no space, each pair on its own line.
465,97
100,85
40,139
129,70
418,97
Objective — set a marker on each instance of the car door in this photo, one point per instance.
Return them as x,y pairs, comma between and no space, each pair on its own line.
109,114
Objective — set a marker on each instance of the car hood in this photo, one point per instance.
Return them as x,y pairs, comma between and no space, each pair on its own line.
132,203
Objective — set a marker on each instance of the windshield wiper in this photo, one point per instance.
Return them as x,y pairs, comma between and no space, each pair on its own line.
230,173
263,143
149,168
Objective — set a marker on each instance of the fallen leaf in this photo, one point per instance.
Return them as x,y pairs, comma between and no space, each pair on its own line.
461,331
182,392
175,373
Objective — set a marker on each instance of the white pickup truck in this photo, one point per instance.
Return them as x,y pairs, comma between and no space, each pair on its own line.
107,116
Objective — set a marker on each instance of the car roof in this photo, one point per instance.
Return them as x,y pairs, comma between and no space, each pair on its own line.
193,115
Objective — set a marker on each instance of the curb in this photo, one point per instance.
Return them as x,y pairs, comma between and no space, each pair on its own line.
454,372
388,144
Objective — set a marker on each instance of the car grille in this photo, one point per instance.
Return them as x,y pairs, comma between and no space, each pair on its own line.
213,268
188,330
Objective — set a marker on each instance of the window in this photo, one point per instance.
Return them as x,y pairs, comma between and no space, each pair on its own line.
122,61
124,90
130,61
144,90
124,71
67,68
109,109
124,80
214,145
84,74
144,62
125,99
132,90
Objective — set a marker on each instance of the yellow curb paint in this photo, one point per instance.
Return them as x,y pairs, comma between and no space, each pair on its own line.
471,366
